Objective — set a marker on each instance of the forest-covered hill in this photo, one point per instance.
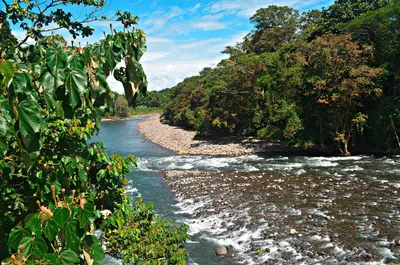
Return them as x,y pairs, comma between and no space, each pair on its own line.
326,79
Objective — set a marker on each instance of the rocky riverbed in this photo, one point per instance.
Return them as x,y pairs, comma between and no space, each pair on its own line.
266,217
185,142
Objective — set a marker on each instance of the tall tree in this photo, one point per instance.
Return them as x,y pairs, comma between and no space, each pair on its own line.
381,28
274,26
338,79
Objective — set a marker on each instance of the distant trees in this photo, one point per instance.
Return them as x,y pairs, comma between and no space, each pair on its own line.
121,107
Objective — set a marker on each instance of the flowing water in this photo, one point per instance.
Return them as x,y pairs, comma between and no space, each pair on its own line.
268,209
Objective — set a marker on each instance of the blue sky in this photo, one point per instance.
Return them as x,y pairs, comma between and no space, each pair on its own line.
184,36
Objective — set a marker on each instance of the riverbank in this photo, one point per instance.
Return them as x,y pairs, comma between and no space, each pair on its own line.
267,217
127,118
184,142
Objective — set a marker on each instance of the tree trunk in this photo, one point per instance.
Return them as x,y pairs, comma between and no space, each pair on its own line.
346,149
394,130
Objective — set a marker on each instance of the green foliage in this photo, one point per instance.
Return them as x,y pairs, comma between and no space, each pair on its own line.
121,108
346,10
186,97
151,102
283,82
52,98
153,99
274,26
7,40
338,78
143,238
58,233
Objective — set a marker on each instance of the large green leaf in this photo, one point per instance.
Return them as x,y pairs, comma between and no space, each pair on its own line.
7,70
68,257
47,81
34,225
30,117
76,83
50,229
72,240
34,246
55,59
86,216
61,215
75,61
16,235
59,78
3,125
51,259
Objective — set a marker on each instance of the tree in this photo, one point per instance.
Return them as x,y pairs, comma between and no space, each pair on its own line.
343,11
338,79
55,186
381,28
121,108
274,26
7,40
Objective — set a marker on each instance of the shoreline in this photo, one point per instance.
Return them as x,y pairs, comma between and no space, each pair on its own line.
127,118
184,142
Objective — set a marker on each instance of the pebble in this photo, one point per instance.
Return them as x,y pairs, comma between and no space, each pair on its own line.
292,231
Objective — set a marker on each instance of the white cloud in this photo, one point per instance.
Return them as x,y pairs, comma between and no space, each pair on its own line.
185,58
208,25
20,35
159,19
247,8
154,56
197,6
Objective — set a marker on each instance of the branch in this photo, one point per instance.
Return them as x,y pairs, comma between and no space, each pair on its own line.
6,4
23,41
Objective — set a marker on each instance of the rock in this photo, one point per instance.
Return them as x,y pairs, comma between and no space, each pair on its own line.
368,256
397,242
222,251
292,231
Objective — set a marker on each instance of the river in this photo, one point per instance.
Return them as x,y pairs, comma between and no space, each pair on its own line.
268,209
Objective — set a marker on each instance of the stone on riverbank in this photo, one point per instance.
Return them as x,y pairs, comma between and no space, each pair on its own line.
222,251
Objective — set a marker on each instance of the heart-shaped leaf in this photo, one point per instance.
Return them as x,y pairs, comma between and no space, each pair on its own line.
50,229
61,216
76,83
68,257
30,117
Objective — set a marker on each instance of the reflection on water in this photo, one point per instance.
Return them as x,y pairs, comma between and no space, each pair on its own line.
346,209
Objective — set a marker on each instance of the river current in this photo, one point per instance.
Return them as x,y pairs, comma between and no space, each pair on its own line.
258,199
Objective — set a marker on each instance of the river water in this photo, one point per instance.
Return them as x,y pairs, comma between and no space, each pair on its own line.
343,210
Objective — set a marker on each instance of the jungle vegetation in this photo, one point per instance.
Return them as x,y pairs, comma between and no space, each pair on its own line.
328,80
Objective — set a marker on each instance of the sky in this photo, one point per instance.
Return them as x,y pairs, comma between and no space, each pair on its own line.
184,36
